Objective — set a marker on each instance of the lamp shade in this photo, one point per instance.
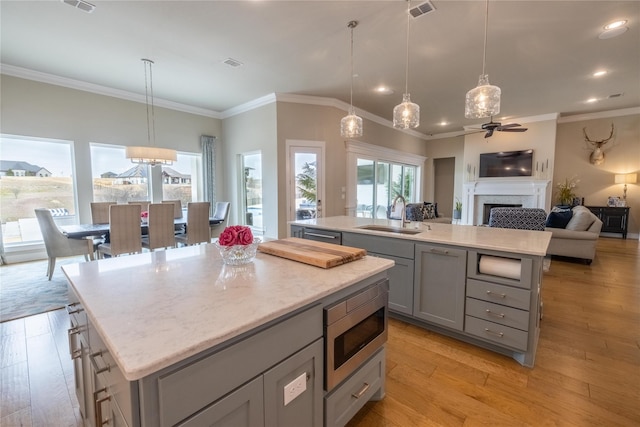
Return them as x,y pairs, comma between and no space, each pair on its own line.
351,125
483,100
627,178
151,155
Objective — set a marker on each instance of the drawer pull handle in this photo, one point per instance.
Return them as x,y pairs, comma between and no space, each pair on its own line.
499,295
98,406
491,313
324,236
489,331
70,309
75,353
362,391
439,251
92,358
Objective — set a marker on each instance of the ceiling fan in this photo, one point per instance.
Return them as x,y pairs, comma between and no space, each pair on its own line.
497,126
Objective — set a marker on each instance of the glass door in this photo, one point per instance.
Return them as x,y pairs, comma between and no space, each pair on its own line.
305,180
252,191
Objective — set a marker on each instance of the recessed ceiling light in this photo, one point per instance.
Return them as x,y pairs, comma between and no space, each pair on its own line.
615,24
592,100
613,29
383,90
444,123
600,73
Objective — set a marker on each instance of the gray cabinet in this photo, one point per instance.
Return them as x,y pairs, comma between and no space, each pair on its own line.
439,290
400,275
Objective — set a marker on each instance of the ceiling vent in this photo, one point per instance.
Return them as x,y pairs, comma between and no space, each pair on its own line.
80,4
232,62
422,9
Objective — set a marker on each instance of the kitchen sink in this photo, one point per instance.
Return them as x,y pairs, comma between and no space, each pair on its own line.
390,229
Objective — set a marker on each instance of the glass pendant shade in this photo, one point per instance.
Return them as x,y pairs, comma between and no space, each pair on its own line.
407,114
483,100
351,125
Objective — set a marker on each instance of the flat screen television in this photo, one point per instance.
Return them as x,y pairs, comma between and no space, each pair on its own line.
506,163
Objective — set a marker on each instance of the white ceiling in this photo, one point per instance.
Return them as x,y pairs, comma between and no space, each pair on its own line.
540,53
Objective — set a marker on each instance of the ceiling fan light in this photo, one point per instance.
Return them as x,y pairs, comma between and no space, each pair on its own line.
483,100
351,125
407,114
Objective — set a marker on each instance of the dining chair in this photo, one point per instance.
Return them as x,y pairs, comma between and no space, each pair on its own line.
100,212
124,231
144,204
161,232
221,212
198,229
177,206
57,244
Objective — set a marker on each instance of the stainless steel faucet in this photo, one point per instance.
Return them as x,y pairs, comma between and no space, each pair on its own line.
403,213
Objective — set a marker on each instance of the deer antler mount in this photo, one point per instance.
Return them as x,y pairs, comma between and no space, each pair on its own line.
597,155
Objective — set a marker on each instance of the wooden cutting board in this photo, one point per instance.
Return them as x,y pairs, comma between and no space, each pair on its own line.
320,254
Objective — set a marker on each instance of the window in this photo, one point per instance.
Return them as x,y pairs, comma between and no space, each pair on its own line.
180,180
34,173
376,175
115,178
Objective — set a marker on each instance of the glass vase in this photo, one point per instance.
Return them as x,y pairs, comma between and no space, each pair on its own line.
238,254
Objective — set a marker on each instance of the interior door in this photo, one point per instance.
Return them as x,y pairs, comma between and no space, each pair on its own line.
305,180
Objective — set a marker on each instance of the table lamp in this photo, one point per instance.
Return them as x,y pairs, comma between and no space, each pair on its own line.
626,178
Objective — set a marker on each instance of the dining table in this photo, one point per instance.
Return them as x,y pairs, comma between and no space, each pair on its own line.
81,231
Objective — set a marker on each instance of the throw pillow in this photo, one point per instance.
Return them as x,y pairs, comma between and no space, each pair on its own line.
581,219
414,212
559,217
429,211
435,209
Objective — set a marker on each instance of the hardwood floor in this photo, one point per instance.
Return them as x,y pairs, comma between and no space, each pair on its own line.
587,370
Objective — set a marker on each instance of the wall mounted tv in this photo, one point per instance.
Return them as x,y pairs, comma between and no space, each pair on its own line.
506,163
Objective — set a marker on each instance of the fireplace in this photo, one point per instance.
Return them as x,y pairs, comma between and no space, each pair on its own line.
488,206
526,193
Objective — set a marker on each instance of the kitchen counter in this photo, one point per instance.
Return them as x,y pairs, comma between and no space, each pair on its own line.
155,309
466,236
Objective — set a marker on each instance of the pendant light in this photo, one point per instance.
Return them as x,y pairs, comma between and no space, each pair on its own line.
351,125
150,154
407,114
484,99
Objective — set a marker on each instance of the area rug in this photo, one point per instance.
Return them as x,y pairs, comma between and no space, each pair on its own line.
25,290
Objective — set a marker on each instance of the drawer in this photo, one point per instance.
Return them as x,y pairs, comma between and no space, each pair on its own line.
499,294
123,392
319,235
496,313
349,397
192,387
499,334
381,245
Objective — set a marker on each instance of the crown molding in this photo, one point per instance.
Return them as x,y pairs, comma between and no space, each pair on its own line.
23,73
600,115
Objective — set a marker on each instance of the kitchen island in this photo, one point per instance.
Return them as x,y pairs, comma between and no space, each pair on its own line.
478,284
177,338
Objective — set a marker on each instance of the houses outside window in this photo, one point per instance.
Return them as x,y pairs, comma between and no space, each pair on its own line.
34,173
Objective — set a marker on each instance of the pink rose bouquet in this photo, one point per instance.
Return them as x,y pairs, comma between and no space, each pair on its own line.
144,214
236,235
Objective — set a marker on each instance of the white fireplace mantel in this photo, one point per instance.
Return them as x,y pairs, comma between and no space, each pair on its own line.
532,191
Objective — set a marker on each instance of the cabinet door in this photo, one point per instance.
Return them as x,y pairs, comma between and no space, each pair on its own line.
242,408
439,289
400,283
304,371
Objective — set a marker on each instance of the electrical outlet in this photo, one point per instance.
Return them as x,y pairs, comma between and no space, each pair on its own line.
295,388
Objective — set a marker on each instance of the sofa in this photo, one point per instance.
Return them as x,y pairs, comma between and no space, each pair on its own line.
578,238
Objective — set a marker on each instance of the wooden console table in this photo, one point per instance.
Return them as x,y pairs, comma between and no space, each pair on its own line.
614,220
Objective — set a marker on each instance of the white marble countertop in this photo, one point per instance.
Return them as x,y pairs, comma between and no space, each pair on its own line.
467,236
156,309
